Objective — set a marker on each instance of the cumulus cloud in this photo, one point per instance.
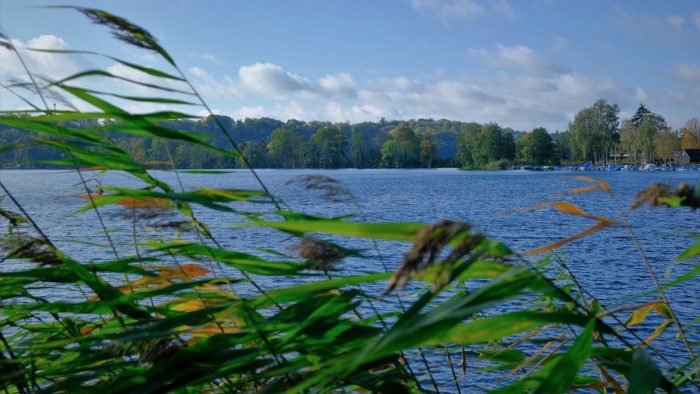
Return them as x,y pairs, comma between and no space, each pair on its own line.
336,112
546,93
522,58
50,65
204,113
339,84
295,110
132,74
272,80
687,72
250,112
516,101
209,86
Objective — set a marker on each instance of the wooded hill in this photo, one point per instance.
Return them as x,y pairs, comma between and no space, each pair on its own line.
596,134
271,143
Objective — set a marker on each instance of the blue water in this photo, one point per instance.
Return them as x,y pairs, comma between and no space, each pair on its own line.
606,263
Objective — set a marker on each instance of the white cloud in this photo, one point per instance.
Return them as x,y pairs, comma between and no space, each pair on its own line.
199,72
132,74
294,110
676,22
209,86
696,19
449,9
271,80
204,113
50,65
687,72
335,113
407,85
250,112
544,95
522,58
511,100
355,113
339,84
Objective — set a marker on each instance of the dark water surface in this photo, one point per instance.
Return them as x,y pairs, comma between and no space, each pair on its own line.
606,263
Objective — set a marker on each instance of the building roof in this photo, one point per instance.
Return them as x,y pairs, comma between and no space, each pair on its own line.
693,154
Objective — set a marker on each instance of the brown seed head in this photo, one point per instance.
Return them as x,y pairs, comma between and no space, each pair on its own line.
427,247
658,193
323,254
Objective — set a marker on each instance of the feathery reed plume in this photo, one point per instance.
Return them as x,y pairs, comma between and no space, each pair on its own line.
35,89
660,194
5,42
333,190
175,225
123,30
322,254
24,246
156,351
149,352
426,249
13,218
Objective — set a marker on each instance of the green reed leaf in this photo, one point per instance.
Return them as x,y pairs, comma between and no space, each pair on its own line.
102,73
388,231
566,368
644,376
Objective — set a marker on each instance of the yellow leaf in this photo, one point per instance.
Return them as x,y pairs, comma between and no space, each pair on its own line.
570,208
661,328
639,315
214,329
185,271
601,225
190,305
583,189
604,185
132,202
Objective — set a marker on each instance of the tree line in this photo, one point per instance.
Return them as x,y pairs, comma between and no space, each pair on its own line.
596,134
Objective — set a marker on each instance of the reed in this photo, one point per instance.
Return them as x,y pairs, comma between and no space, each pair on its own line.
181,312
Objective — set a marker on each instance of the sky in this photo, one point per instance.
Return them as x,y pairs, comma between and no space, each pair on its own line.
521,64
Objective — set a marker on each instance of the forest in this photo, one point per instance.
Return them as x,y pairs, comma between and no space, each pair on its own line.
596,134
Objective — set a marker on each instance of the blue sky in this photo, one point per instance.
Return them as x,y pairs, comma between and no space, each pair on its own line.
522,64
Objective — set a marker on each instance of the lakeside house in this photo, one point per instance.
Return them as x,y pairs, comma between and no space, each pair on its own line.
687,156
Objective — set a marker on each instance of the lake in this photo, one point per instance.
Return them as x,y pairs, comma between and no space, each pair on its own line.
606,263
